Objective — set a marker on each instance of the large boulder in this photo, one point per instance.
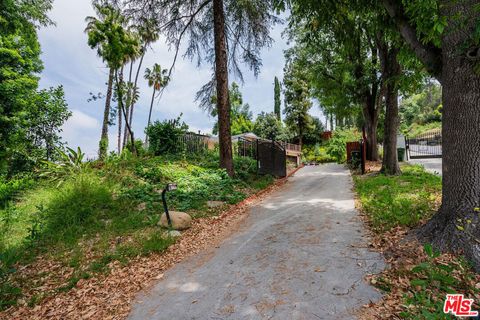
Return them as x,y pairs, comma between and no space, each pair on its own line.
180,220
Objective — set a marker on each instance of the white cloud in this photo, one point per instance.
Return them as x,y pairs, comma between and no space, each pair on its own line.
69,61
82,130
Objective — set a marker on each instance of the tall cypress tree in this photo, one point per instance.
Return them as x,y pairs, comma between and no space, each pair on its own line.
277,99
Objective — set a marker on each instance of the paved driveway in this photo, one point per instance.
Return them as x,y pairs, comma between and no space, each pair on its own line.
302,254
433,165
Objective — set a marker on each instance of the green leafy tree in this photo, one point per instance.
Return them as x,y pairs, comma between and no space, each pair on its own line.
422,107
46,115
268,126
163,136
277,99
101,34
445,37
240,114
157,79
28,123
297,100
224,33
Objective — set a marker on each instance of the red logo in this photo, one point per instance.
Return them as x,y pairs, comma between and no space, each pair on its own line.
457,305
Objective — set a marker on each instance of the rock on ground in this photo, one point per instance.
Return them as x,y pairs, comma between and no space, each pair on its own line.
180,220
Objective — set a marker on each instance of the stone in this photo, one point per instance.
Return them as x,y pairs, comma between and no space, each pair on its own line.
173,233
180,220
215,204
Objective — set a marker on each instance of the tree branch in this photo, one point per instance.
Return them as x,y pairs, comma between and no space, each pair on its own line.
429,55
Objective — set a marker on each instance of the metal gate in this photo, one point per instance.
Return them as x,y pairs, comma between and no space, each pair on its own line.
426,145
271,156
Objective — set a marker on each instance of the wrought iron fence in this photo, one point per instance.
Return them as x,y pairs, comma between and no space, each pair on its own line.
426,145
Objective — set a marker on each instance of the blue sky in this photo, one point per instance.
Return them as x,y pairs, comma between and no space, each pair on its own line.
70,62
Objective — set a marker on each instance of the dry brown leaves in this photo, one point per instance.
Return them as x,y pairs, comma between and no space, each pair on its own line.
402,252
110,296
373,166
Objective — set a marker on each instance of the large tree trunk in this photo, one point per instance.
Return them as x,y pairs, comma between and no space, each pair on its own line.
370,116
390,158
221,76
391,70
457,225
103,144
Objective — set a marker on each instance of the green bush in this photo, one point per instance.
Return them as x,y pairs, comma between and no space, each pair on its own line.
77,206
336,147
316,153
10,188
163,136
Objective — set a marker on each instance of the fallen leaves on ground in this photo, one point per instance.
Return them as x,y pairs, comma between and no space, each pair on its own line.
110,296
402,252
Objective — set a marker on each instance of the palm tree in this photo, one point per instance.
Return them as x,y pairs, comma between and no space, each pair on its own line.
99,30
148,32
158,79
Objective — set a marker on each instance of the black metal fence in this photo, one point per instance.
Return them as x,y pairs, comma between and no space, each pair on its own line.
271,156
426,145
192,143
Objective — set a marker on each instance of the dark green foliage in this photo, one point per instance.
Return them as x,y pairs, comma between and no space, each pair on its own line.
9,188
422,108
297,99
403,200
163,136
314,132
277,100
267,126
336,147
29,120
240,114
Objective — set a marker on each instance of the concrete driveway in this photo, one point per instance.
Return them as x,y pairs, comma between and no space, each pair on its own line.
302,254
433,165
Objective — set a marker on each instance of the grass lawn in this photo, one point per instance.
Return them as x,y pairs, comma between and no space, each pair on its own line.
418,278
54,233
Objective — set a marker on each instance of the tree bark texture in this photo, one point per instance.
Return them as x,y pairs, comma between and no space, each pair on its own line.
119,137
150,113
370,115
103,144
221,77
457,225
391,70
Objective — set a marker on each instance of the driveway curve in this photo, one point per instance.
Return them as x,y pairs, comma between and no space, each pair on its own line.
301,254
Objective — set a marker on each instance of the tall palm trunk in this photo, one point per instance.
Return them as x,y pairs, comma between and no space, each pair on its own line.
123,112
221,77
127,107
119,110
132,107
103,144
150,113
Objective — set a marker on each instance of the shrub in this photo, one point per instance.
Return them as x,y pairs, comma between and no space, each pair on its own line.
163,136
11,187
77,205
336,147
